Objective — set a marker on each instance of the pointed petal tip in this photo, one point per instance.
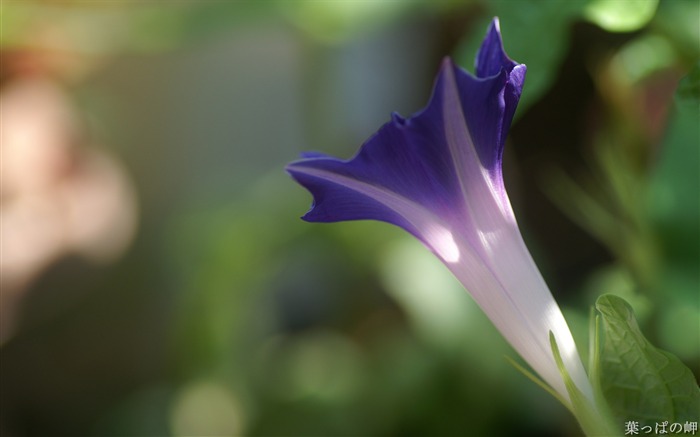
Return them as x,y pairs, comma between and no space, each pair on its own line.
295,170
495,25
297,166
397,119
298,175
291,168
449,64
312,216
491,57
288,168
493,33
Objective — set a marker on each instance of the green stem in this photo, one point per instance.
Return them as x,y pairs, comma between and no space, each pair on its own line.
593,418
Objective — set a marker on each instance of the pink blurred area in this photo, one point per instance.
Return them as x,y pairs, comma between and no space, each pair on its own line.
61,193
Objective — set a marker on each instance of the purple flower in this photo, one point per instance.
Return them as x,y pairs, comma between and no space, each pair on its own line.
438,175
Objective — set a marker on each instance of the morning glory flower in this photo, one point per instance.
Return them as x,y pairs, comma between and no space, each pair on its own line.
438,175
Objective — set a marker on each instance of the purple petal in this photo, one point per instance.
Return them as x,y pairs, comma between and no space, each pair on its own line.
427,157
424,158
492,58
438,175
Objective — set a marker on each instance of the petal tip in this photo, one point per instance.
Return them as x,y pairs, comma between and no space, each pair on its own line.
288,169
446,62
495,26
305,217
397,119
491,57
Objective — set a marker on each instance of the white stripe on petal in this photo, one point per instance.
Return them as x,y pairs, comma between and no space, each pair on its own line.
432,230
478,238
474,179
442,242
510,290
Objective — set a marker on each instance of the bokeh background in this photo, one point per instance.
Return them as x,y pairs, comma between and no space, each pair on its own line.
156,278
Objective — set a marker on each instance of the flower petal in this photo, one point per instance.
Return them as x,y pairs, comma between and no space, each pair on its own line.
492,58
425,157
438,175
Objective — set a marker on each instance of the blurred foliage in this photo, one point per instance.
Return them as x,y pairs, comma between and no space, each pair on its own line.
124,26
619,16
230,316
674,209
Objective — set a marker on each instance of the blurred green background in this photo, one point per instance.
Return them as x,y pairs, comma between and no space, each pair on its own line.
156,278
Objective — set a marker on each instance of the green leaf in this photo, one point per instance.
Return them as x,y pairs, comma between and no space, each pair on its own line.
640,382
